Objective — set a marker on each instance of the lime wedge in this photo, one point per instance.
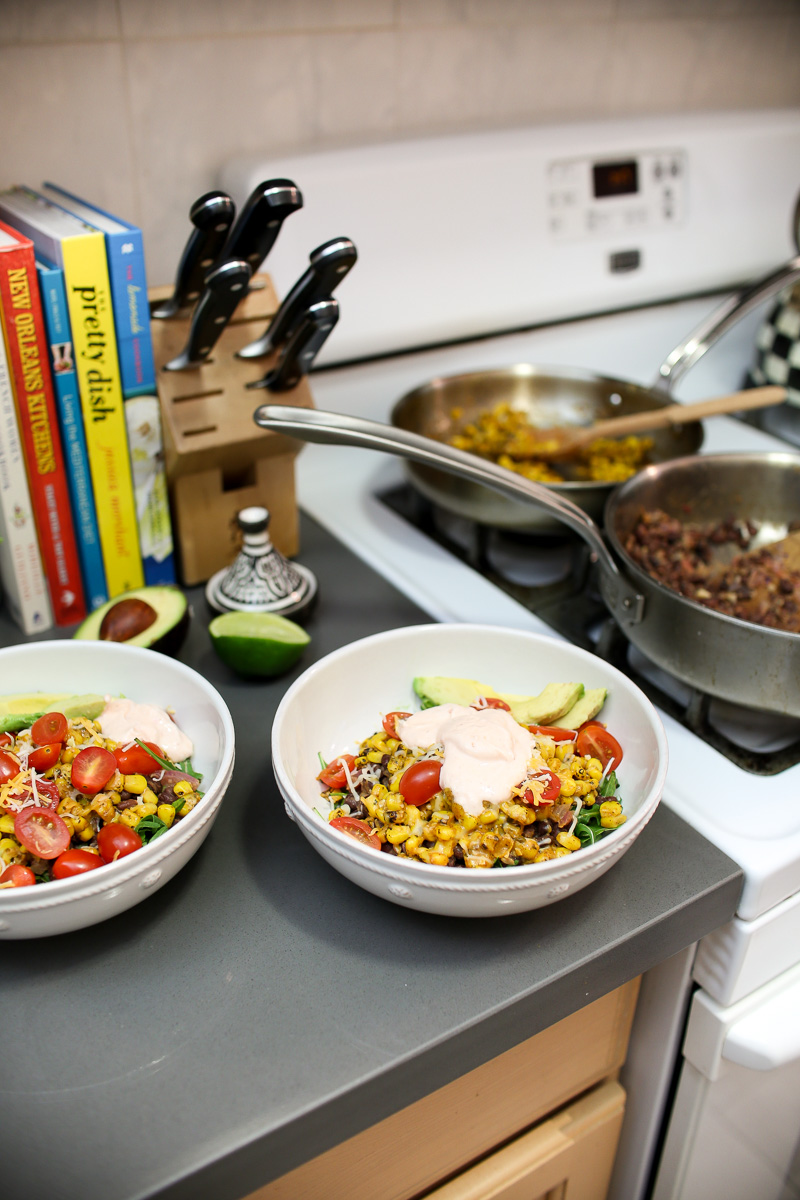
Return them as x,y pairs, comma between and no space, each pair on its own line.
257,643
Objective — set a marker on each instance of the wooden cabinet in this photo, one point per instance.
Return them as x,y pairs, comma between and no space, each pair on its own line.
568,1155
483,1135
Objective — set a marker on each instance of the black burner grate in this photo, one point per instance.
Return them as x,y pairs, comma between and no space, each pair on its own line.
553,578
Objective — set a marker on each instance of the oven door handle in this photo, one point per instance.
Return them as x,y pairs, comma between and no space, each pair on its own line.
768,1037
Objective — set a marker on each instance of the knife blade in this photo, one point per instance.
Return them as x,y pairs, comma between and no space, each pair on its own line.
302,347
260,221
225,287
328,265
212,215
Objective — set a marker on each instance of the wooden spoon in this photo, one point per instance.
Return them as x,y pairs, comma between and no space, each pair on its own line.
563,441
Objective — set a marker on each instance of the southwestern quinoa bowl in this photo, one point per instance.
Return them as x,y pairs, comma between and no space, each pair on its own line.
128,799
406,852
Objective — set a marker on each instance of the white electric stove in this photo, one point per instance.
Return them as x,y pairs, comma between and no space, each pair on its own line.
600,247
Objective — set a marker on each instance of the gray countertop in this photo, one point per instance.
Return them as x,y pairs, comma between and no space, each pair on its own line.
260,1008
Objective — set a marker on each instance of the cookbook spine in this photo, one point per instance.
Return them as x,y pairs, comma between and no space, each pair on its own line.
62,361
21,571
142,409
128,277
97,365
23,324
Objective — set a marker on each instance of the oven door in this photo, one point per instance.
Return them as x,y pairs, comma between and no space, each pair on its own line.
734,1128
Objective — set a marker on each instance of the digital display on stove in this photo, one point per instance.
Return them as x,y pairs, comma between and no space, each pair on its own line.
616,178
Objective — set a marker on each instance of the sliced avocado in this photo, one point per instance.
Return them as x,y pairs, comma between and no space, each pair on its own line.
587,707
555,699
27,702
154,617
548,706
90,705
445,689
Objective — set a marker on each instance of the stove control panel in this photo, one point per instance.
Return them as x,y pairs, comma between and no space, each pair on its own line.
612,197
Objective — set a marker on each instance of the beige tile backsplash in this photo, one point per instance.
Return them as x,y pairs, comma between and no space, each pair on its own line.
137,103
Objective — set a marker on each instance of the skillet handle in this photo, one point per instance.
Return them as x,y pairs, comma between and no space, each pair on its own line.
315,425
709,331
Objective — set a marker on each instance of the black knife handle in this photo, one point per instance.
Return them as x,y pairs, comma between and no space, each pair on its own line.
329,264
302,348
225,287
260,221
212,216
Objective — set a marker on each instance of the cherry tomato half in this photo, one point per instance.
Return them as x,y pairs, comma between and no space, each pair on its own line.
6,739
136,761
550,792
44,757
115,841
75,862
92,768
51,727
357,829
48,793
594,739
41,831
553,732
390,723
490,702
333,776
9,767
421,781
17,876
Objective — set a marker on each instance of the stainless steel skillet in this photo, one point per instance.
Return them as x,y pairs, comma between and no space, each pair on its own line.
562,396
721,655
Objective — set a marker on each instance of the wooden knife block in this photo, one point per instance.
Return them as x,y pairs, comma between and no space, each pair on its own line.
217,459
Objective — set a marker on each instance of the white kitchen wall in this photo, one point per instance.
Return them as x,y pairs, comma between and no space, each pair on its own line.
137,103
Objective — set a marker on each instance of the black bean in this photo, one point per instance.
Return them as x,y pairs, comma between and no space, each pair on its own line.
388,848
357,808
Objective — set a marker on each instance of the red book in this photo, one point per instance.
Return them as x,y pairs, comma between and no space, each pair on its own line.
23,323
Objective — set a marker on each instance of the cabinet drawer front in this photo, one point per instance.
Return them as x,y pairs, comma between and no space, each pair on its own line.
429,1141
571,1154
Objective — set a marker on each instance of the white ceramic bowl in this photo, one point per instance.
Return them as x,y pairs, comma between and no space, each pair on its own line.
106,667
341,699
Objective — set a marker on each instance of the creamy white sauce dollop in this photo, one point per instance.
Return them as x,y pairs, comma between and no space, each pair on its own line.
124,720
486,752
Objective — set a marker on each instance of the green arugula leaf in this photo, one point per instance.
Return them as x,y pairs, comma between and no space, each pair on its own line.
151,827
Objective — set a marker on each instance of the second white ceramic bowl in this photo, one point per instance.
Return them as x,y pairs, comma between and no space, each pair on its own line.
341,699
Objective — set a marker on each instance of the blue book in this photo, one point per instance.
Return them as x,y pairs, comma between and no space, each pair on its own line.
126,268
68,404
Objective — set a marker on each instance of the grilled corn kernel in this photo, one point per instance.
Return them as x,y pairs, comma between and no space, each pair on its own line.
183,788
568,841
397,834
445,834
10,850
131,817
149,797
469,822
438,858
79,823
412,844
6,823
393,803
149,808
103,806
135,784
166,813
487,817
115,783
86,834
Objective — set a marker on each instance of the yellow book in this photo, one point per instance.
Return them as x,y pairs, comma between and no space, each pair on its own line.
80,250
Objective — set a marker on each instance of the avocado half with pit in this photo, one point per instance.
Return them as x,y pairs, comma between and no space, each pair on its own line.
154,617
